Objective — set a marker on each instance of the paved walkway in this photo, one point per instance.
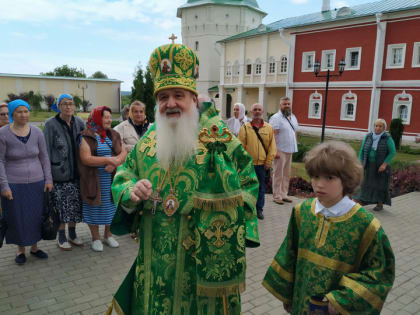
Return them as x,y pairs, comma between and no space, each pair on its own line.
82,281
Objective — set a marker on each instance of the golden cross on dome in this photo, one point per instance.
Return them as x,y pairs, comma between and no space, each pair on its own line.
172,38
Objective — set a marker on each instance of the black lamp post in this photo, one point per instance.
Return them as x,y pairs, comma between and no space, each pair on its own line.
317,66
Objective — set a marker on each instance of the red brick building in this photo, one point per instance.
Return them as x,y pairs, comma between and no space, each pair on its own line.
380,43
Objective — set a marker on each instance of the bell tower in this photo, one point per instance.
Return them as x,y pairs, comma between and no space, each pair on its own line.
204,22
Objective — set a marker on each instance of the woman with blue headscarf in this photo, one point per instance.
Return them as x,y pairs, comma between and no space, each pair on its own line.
25,174
376,153
61,133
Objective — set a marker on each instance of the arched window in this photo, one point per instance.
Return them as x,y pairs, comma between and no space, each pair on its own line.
236,68
402,107
272,66
248,67
315,105
258,66
283,64
228,69
348,106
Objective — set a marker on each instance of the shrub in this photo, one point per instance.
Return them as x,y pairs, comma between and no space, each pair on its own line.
300,187
404,181
49,100
300,154
396,130
400,165
114,123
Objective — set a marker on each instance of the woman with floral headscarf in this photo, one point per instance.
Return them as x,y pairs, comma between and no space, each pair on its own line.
238,119
101,152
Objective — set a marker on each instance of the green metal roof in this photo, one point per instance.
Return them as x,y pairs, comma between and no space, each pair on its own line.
214,89
362,10
252,4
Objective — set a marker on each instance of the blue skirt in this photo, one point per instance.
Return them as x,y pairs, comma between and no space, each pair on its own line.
23,214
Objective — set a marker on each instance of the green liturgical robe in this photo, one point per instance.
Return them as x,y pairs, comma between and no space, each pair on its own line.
348,259
192,260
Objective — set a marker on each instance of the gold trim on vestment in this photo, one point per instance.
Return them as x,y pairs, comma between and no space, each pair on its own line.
297,214
282,272
275,293
116,306
341,218
233,289
336,305
226,200
363,292
324,261
367,238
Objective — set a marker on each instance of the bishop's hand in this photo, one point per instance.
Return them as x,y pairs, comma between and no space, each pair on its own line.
142,190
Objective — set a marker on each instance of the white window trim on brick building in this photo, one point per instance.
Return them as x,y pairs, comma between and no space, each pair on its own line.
315,98
416,55
346,100
400,100
349,51
390,64
305,56
324,60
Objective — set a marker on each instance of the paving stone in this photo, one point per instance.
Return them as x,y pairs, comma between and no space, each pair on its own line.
83,282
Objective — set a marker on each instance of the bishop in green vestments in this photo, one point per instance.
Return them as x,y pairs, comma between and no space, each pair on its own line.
188,188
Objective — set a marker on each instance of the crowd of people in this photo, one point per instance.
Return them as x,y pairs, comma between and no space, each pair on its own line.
193,188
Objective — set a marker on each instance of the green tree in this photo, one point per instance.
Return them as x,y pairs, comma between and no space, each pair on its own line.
99,75
149,99
49,100
137,91
77,101
66,71
32,98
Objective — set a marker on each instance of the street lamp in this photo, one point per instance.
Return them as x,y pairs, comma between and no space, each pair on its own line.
317,66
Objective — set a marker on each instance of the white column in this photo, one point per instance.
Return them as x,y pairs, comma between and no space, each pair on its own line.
264,58
262,93
242,62
222,102
222,64
290,66
377,72
240,94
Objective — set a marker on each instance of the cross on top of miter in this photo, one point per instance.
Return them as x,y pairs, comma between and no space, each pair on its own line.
172,38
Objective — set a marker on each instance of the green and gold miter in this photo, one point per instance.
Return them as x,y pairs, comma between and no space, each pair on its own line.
174,66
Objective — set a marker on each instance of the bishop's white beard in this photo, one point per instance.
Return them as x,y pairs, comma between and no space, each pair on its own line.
176,138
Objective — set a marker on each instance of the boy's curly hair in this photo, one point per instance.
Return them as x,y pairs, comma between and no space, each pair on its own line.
335,158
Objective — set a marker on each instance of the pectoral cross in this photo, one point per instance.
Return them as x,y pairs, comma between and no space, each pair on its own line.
156,198
172,38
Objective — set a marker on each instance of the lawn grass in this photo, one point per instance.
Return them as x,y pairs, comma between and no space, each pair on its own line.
42,116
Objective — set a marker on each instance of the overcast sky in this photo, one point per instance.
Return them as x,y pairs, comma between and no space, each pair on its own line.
112,36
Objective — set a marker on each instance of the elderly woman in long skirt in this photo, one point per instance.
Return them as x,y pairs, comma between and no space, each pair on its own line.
25,175
61,134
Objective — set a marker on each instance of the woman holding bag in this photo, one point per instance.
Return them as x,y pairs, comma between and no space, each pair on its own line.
25,174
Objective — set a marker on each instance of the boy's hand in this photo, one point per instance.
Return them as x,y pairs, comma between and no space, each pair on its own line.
332,310
287,307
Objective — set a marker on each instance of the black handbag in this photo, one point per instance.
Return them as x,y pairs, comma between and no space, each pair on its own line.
3,229
50,221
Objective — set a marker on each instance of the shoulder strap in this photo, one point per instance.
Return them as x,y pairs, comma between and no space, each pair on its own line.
289,122
259,138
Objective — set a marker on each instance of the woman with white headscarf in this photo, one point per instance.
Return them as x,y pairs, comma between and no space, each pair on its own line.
238,119
376,153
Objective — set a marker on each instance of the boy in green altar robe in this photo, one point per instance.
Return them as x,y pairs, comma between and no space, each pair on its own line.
189,188
334,248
